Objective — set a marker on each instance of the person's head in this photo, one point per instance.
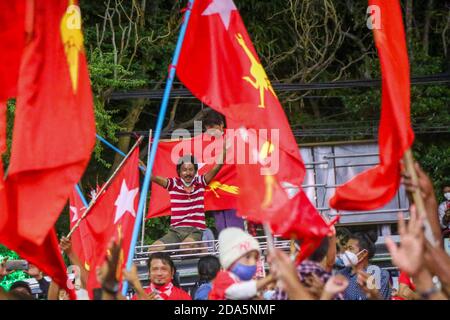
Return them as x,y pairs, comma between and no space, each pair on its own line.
187,168
321,252
363,245
238,252
446,191
161,268
21,286
213,122
208,267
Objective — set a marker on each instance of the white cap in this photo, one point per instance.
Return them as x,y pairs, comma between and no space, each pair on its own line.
233,244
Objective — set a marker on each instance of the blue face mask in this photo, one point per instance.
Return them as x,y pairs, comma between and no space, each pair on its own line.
244,272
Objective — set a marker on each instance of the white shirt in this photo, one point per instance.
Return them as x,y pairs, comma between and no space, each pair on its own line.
442,208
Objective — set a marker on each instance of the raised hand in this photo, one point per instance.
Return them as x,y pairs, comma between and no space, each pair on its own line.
424,182
66,245
131,276
3,271
336,284
33,271
409,257
314,285
371,291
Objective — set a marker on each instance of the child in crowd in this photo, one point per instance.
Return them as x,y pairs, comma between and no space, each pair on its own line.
239,253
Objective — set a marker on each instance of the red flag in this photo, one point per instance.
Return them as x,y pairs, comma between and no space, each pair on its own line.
54,129
113,216
221,194
3,215
377,186
46,256
219,65
82,241
12,40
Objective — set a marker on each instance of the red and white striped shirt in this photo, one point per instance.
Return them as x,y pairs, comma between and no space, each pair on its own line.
188,208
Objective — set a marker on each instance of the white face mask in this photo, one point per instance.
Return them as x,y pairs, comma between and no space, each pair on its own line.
447,195
187,184
349,258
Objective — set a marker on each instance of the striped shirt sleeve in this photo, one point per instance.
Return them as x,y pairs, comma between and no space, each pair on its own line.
202,180
170,183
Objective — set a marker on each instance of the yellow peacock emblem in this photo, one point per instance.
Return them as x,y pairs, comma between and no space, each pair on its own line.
260,81
72,38
216,185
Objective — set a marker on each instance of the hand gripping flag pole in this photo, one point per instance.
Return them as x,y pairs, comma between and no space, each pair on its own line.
154,145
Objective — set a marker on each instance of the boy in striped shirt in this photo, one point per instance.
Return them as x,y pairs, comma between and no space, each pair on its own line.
187,201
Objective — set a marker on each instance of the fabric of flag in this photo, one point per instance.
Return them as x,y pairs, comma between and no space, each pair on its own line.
54,127
219,65
12,40
82,241
113,216
12,35
46,255
375,187
222,192
3,208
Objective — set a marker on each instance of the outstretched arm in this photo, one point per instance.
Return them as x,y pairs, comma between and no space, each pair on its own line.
160,180
209,176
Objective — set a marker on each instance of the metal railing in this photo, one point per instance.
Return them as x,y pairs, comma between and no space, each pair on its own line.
211,248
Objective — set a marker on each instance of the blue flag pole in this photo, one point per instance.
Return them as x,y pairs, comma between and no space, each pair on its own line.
113,147
77,187
110,145
154,145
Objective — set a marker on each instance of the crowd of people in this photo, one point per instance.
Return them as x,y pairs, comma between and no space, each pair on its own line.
339,269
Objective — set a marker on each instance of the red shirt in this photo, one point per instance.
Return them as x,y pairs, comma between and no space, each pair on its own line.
188,208
221,283
175,294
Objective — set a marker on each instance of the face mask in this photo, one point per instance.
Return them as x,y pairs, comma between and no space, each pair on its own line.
447,195
187,184
267,295
244,272
347,259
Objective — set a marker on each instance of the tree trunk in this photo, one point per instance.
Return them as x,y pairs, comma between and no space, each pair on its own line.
128,125
426,28
409,27
315,108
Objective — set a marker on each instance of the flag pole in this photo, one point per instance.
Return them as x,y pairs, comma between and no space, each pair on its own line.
417,197
104,187
152,155
269,236
83,199
113,147
143,216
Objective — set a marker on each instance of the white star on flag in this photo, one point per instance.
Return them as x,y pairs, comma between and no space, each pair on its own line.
125,201
223,8
75,213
